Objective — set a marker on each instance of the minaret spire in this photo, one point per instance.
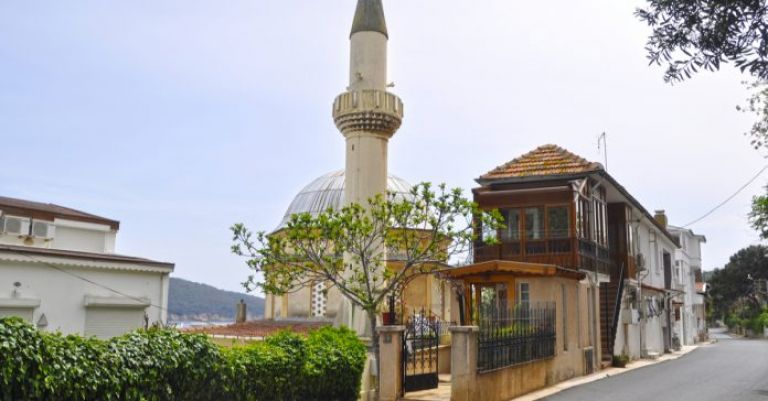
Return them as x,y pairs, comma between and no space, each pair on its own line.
368,116
369,17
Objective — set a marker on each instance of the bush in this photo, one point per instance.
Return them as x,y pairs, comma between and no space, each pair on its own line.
620,361
166,365
759,322
335,364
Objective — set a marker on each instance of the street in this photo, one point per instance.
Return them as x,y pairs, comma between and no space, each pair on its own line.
733,369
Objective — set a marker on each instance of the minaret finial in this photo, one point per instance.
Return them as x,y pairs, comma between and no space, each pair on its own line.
369,17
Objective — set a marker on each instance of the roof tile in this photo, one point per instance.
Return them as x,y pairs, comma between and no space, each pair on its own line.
546,160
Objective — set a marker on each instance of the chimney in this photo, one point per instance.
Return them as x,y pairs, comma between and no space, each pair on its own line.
241,312
661,218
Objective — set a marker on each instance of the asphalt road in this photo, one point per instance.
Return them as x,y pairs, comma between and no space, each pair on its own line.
730,370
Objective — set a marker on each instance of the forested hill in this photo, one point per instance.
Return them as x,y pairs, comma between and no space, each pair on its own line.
190,301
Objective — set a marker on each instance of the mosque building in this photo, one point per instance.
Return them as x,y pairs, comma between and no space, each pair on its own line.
368,116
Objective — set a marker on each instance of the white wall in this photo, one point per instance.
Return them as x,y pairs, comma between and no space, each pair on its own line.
70,235
687,261
62,296
645,335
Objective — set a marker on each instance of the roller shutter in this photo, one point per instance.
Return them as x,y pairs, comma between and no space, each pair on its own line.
24,313
110,322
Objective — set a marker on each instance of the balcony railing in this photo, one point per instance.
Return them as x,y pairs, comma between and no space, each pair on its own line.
572,253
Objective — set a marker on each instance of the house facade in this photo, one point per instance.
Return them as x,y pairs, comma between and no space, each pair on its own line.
59,271
643,328
564,210
691,324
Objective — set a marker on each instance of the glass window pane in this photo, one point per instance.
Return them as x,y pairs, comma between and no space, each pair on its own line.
534,223
559,222
512,221
523,293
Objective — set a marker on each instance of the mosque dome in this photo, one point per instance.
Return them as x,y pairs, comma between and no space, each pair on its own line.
327,192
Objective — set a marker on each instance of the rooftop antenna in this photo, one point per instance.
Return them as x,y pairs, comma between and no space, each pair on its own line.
603,138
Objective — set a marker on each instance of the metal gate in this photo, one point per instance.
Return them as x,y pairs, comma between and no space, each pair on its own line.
420,353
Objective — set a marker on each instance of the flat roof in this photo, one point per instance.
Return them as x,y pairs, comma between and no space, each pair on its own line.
79,255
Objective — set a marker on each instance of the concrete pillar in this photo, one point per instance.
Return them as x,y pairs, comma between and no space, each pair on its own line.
464,363
391,364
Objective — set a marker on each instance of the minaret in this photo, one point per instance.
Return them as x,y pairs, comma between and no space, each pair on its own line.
366,114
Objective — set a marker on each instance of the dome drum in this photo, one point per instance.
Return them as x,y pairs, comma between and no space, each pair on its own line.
327,192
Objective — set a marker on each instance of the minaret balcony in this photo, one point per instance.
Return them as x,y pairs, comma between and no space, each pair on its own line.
368,111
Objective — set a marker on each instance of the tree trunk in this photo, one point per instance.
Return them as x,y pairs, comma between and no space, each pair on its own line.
376,351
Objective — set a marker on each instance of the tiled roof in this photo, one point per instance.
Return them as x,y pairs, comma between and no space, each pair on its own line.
259,328
547,160
51,210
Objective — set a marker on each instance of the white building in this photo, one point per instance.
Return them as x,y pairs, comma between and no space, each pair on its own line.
644,328
59,271
691,322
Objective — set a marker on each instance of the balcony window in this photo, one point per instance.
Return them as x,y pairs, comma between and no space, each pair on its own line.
534,223
512,223
558,222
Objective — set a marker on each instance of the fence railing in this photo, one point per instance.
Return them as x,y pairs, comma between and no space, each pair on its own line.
510,337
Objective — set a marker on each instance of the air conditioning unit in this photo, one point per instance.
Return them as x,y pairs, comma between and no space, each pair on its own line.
13,225
640,262
42,229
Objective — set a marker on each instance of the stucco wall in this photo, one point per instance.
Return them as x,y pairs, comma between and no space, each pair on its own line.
62,296
79,239
568,362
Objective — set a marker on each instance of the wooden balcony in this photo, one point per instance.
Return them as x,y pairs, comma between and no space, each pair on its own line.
571,253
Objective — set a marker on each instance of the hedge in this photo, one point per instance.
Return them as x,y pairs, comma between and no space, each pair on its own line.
166,365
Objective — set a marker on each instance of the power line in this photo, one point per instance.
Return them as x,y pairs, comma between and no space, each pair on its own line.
87,280
743,187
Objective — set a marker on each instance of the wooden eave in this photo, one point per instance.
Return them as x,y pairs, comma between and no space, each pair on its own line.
512,268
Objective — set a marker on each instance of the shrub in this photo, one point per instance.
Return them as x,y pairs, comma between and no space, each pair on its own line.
334,366
159,365
620,361
260,372
166,365
21,358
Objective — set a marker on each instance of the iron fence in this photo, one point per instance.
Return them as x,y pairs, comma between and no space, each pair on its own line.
510,337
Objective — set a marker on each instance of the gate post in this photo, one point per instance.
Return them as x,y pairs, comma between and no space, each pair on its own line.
391,363
464,362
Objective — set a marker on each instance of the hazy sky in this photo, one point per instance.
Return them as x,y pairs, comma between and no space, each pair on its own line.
181,117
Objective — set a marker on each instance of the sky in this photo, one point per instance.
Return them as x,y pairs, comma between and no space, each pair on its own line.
182,117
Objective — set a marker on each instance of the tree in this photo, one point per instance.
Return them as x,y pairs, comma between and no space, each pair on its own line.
758,216
365,251
733,287
691,35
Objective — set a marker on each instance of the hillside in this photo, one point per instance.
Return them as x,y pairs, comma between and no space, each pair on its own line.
190,301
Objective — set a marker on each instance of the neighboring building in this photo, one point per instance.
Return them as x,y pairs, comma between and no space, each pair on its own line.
643,327
59,271
690,311
566,214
